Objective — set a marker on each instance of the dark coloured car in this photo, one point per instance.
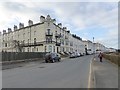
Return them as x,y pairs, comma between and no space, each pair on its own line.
52,57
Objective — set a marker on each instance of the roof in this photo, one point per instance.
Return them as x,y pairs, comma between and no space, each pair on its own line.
26,27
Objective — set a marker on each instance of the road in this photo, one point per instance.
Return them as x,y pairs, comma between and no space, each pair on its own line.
69,73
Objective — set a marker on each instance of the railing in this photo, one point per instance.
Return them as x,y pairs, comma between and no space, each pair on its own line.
49,34
57,35
31,44
36,44
58,44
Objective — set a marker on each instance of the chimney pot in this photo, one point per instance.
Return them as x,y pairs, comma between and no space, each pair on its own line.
60,25
65,28
9,30
4,31
42,19
21,25
15,27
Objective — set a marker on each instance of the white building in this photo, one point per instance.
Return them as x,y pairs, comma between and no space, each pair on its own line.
100,47
45,36
112,50
89,46
78,45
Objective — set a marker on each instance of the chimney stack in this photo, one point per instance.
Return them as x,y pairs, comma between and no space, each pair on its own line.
4,31
21,25
42,19
54,20
30,22
60,25
48,18
9,30
15,28
64,28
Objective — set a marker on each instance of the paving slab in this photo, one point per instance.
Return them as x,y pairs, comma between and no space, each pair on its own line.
106,74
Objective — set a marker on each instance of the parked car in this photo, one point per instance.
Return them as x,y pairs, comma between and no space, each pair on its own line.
82,54
73,55
77,54
89,52
52,57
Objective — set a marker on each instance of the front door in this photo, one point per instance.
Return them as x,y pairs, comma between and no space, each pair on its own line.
57,49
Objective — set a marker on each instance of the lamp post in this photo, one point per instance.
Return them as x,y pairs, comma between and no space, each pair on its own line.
93,45
93,48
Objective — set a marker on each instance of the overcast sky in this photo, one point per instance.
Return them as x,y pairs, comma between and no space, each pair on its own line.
86,19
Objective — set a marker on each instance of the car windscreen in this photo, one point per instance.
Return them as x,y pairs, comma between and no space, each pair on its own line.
47,54
53,54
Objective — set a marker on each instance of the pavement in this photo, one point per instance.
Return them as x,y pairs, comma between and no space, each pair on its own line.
105,74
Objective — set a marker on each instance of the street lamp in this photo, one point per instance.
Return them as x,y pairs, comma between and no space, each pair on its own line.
93,45
93,48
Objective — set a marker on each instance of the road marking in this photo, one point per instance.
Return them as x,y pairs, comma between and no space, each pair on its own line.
89,79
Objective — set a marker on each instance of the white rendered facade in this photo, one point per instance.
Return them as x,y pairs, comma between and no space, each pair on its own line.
45,36
89,45
100,48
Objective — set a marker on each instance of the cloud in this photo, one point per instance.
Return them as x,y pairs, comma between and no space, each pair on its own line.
77,16
60,0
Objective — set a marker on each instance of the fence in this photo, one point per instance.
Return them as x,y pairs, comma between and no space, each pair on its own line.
10,56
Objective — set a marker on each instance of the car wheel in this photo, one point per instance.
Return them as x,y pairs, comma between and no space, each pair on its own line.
59,60
53,60
46,61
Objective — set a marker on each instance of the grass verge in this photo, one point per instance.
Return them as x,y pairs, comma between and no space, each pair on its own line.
114,58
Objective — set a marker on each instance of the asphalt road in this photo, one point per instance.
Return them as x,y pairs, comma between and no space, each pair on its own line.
69,73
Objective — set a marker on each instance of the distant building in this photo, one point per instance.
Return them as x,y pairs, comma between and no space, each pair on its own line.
100,47
89,46
112,50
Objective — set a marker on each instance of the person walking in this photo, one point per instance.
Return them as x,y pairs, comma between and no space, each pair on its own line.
100,56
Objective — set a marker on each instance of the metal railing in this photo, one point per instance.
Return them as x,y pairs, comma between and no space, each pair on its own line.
49,34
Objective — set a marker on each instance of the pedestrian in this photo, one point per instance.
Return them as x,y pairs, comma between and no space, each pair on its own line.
100,56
